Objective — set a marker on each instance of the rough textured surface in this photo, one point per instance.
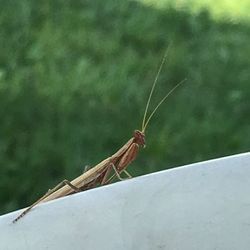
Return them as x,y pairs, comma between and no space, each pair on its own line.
200,206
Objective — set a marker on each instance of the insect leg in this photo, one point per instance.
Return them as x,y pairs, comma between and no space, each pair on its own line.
127,173
76,189
50,191
86,168
116,172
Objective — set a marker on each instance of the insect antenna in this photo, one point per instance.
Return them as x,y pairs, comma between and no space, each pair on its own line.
144,126
152,89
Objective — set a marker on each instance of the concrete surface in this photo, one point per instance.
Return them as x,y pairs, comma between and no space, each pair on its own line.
199,206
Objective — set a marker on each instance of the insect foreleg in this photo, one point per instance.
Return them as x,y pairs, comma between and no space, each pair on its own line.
128,157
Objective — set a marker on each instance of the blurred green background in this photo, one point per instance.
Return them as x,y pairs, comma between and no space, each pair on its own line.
75,77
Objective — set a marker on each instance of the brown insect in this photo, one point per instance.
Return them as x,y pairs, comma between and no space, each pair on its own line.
104,172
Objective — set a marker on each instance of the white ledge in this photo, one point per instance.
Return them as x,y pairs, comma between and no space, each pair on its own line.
200,206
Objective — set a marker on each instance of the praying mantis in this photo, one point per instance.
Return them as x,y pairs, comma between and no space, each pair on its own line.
106,170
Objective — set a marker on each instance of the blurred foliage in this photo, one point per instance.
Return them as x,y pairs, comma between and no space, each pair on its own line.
221,9
75,77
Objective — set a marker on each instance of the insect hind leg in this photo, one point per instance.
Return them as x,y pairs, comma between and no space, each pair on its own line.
50,191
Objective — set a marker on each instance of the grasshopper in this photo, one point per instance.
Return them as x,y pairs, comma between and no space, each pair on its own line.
106,170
